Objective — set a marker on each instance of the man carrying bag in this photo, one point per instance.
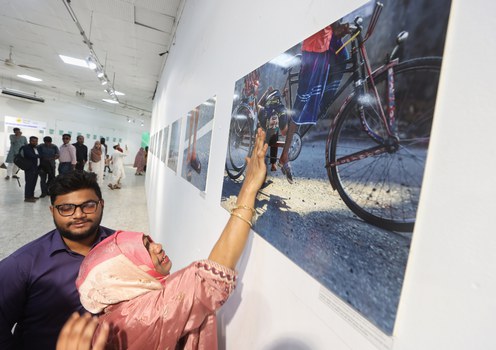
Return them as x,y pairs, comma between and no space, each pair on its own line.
29,154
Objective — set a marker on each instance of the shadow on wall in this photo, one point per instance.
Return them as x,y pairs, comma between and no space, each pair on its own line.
288,344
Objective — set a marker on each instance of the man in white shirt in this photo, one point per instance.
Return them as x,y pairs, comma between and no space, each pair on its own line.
118,173
67,155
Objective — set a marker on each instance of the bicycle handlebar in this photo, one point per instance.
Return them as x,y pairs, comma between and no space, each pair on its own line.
373,20
356,26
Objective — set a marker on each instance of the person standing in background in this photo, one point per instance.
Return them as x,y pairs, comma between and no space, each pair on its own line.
146,157
16,142
140,161
118,173
48,153
97,161
67,158
30,152
104,147
81,153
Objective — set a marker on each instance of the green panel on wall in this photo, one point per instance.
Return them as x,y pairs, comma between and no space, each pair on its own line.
145,139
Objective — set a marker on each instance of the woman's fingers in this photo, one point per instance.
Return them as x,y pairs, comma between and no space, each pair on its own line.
101,339
65,333
78,331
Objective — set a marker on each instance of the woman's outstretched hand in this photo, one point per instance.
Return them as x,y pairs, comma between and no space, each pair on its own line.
256,169
232,241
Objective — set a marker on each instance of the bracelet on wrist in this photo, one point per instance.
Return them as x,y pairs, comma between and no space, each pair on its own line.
243,206
239,216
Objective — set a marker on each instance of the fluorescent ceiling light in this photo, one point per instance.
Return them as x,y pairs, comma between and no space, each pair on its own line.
28,77
118,93
109,101
74,61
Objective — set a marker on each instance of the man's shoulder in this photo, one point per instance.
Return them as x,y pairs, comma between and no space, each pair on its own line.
106,232
36,246
27,256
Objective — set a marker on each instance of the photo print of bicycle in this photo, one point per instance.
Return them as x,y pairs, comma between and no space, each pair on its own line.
348,115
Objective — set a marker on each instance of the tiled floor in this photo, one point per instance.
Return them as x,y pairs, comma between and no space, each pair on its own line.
21,222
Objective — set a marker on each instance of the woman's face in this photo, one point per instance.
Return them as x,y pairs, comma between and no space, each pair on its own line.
160,260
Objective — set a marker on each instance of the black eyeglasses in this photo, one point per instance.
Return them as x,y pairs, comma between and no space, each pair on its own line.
88,207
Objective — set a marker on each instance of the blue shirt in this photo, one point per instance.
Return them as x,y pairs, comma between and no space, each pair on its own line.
38,291
48,153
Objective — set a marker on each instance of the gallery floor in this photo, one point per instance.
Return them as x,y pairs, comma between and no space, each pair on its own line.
22,222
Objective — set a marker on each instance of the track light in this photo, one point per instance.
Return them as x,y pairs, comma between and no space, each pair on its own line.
90,61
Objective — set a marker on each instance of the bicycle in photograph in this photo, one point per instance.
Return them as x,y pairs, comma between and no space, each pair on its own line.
377,143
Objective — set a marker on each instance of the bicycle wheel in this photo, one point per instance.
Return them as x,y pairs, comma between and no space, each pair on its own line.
378,178
240,140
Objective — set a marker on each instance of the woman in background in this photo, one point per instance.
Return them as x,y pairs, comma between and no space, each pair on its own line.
140,161
97,162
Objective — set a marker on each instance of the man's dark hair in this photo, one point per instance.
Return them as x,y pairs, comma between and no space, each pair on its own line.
102,140
32,138
66,135
16,129
47,139
74,181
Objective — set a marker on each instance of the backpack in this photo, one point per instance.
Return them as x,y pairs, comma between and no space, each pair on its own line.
21,162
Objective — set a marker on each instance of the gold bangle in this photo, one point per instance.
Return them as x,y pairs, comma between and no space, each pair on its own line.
243,206
242,218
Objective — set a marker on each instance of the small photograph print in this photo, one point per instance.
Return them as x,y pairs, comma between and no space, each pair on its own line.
197,142
165,143
173,155
347,114
159,143
151,149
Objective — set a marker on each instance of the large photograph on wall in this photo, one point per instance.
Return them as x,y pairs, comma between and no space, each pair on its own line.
348,114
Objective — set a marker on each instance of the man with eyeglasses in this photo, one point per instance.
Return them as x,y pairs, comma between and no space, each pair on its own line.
67,155
37,288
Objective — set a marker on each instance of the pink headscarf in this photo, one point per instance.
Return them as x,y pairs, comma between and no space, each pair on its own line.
119,268
145,309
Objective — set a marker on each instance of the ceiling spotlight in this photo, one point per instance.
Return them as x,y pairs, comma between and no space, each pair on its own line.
128,120
91,63
100,74
104,82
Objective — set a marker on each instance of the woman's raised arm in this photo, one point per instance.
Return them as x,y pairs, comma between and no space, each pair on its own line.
232,241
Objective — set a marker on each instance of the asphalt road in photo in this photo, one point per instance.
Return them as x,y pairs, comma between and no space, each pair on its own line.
307,221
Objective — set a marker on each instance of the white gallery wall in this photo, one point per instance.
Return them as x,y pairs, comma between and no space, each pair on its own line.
69,114
448,298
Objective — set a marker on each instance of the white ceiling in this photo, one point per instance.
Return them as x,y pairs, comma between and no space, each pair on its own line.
127,36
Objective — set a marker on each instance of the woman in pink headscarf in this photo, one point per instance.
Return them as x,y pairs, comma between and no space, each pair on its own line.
126,280
140,161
